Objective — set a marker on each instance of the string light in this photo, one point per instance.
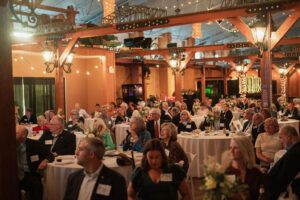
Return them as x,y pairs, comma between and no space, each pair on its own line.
32,67
77,71
88,73
21,57
15,59
96,66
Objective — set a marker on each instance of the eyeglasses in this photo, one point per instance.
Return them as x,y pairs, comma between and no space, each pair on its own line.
53,124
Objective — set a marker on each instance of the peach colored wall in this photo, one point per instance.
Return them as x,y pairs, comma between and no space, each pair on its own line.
153,83
123,76
293,86
98,87
189,79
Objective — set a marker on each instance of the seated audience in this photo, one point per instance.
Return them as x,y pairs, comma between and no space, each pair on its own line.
47,117
137,136
97,112
247,127
52,113
106,118
155,179
32,159
165,114
120,116
104,134
243,165
175,115
292,112
57,140
112,111
28,118
95,181
218,123
258,126
202,112
173,150
267,144
285,173
41,121
153,126
183,106
186,124
227,115
74,125
266,113
81,111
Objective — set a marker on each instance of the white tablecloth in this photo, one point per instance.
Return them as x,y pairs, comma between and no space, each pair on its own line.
121,132
57,176
290,122
89,123
204,146
198,120
236,115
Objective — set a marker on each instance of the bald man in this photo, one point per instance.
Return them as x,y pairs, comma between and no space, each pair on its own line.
32,158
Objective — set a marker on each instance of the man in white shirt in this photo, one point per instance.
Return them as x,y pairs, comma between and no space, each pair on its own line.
247,127
95,181
82,112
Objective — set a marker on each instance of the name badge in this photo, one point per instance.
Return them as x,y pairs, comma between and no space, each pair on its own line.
231,178
41,132
70,125
166,177
109,122
103,189
188,126
290,115
34,158
221,124
167,152
48,142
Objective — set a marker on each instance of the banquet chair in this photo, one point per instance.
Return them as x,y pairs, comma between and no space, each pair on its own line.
192,161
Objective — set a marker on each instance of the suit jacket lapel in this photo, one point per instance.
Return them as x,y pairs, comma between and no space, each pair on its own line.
78,186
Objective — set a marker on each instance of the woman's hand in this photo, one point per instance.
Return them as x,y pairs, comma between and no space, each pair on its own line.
184,190
130,192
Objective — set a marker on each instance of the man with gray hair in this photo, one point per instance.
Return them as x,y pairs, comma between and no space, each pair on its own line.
95,181
57,140
153,126
258,126
286,170
247,127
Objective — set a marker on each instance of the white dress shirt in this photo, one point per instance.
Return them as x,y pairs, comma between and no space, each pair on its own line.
88,184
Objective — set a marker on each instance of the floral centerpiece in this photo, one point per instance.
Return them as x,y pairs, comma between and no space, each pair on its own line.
91,133
156,104
217,184
143,113
210,119
196,107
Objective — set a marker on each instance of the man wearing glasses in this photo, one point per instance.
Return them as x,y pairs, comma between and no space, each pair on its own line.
57,140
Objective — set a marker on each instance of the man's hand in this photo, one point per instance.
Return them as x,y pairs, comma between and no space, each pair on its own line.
43,165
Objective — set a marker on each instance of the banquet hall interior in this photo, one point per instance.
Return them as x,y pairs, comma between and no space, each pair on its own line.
122,61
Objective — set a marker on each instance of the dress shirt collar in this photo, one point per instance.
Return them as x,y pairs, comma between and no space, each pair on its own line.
95,174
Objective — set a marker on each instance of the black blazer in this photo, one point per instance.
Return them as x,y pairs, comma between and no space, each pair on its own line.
189,127
284,172
165,117
26,120
294,113
107,176
34,148
256,131
245,125
227,118
64,145
150,127
176,120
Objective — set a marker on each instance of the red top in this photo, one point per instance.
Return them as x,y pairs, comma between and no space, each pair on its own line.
37,128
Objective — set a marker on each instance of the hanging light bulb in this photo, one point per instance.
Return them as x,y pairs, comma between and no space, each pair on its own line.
70,58
47,54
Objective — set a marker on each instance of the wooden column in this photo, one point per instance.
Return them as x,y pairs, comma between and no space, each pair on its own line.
266,70
8,161
59,83
225,82
178,86
203,84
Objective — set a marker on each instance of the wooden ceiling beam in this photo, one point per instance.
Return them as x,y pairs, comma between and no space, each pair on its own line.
243,28
67,51
187,60
285,27
132,61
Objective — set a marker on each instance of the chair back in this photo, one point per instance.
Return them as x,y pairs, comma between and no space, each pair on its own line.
192,160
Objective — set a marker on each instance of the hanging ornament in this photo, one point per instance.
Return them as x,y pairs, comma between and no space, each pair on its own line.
283,86
108,7
197,30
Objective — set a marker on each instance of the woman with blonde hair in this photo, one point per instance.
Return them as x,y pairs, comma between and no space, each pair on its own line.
243,166
173,149
103,132
268,143
186,124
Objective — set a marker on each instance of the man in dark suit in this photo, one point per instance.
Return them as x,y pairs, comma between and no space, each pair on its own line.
247,127
175,116
165,115
292,112
57,140
258,126
28,118
227,114
32,158
287,168
153,126
95,181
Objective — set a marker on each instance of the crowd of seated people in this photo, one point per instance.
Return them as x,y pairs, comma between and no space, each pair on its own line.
253,158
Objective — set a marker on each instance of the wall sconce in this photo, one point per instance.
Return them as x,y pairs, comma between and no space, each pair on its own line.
49,55
174,63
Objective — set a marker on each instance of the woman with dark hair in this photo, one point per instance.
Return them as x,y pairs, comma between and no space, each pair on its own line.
266,113
173,149
155,179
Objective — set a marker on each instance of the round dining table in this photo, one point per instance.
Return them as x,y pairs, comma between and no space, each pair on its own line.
290,122
121,132
204,145
57,173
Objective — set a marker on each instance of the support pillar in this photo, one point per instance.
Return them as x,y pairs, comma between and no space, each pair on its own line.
59,83
178,86
8,156
266,70
203,84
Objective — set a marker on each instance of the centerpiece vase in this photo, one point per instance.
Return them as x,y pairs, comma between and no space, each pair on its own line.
211,127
